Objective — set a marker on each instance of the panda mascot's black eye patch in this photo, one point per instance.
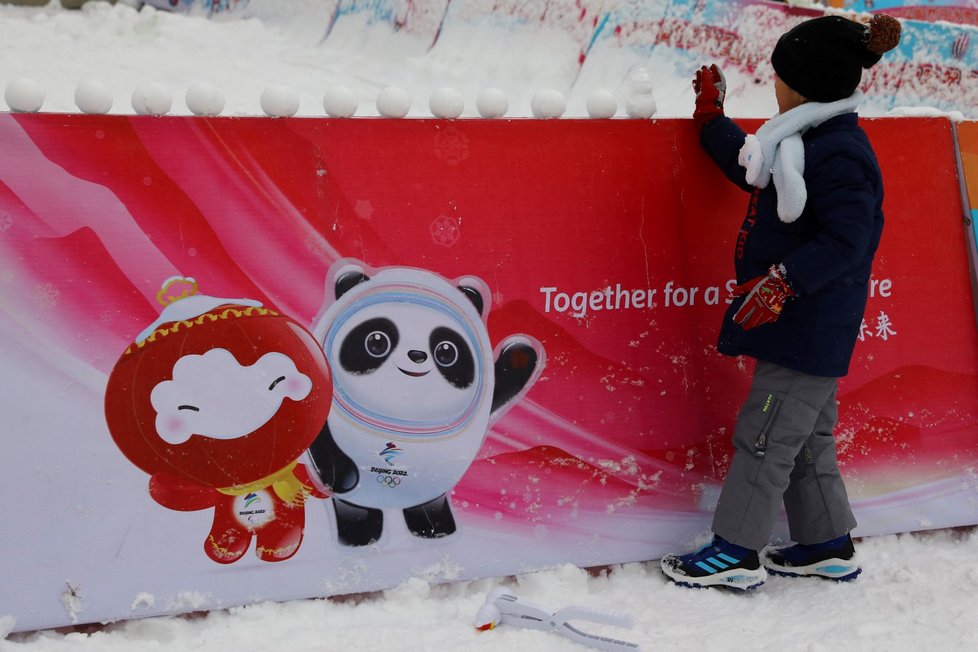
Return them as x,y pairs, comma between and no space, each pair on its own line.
452,357
368,345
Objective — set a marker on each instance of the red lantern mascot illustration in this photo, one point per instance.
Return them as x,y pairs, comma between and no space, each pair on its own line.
217,400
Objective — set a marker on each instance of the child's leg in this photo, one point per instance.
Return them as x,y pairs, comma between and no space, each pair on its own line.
816,500
774,424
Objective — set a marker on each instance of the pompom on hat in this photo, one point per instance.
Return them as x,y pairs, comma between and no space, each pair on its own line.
823,58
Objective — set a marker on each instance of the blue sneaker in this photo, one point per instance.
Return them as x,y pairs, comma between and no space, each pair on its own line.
833,560
720,563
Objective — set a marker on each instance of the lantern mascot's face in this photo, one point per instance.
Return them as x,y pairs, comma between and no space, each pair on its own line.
416,387
216,401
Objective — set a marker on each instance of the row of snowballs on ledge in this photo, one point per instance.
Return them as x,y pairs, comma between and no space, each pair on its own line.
205,99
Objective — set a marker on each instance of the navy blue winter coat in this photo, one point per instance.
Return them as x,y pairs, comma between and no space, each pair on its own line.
827,252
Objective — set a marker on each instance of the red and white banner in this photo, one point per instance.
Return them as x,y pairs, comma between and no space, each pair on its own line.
178,297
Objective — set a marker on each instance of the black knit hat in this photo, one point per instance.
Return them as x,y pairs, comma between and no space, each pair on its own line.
823,58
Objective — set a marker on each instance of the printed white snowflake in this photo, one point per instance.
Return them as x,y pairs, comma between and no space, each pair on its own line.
316,247
445,231
363,209
47,294
452,146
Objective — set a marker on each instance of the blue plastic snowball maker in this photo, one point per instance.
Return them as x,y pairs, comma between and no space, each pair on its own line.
504,608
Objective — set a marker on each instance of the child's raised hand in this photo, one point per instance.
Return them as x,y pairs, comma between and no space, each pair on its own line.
710,87
711,75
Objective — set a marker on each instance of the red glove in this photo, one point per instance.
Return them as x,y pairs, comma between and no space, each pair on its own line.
765,298
711,87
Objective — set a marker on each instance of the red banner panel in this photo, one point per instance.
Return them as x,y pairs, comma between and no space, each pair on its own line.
251,359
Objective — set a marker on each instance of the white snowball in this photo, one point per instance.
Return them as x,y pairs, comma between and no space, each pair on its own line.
152,99
446,102
24,95
92,96
640,83
548,103
640,102
492,103
340,102
204,98
602,104
279,101
640,106
393,102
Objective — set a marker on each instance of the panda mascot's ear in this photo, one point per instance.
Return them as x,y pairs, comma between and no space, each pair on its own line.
474,296
475,289
347,280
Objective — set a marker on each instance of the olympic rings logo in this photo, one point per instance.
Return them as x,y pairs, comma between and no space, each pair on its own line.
388,480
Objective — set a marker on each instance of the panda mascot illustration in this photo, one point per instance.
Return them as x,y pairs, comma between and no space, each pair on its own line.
416,385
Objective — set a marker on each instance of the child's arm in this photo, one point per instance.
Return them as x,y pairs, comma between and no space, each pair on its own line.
722,140
719,136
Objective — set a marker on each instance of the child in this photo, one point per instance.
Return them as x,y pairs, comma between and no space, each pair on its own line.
803,259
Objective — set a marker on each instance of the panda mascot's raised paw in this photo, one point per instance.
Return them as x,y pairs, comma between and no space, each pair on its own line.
416,384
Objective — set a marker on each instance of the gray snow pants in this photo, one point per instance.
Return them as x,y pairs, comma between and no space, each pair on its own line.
784,450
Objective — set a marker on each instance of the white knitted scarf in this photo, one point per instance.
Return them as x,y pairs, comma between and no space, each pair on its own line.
777,151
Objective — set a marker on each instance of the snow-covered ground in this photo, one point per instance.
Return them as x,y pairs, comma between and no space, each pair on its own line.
916,590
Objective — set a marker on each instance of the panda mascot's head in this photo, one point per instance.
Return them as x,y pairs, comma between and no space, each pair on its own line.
409,352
